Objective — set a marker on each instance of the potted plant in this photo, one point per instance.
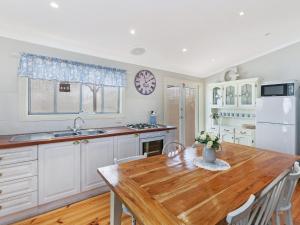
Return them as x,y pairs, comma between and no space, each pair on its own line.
212,144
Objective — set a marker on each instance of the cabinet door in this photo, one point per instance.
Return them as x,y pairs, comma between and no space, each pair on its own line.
230,95
227,138
244,140
126,146
247,94
59,170
216,96
95,153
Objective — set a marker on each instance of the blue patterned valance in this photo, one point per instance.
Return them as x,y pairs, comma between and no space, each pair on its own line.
48,68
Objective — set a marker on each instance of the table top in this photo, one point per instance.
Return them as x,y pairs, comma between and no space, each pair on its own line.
162,190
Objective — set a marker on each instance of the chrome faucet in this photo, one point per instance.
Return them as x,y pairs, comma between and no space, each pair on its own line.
75,127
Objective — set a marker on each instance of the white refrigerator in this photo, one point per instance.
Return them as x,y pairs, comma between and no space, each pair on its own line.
276,124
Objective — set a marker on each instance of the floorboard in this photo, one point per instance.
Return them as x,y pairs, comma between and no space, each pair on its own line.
95,211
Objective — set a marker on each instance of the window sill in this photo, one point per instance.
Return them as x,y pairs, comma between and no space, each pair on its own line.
57,117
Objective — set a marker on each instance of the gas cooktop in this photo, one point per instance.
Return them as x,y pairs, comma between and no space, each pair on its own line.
142,126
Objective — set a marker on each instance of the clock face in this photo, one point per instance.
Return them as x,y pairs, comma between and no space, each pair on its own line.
145,82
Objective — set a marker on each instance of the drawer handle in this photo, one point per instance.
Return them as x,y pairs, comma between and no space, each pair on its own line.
0,207
76,142
243,132
1,158
1,192
85,141
136,135
1,174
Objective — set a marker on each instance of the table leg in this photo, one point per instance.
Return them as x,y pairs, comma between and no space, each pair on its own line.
115,209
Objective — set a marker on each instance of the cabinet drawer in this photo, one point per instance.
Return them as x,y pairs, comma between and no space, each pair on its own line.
16,155
248,132
17,187
18,203
18,171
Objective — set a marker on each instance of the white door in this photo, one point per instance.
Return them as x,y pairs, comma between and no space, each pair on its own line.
181,110
95,153
277,137
126,146
247,94
276,110
59,171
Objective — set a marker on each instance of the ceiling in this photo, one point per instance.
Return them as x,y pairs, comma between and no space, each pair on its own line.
213,33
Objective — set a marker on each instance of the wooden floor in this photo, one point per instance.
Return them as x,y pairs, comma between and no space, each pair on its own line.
95,211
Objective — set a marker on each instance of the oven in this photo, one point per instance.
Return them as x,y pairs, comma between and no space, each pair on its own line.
152,143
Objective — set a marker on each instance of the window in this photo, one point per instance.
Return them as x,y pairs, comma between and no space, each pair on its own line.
45,98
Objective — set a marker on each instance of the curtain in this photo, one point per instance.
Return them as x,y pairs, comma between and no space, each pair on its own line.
49,68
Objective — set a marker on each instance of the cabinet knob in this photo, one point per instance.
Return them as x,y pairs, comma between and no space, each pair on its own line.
76,142
1,174
136,135
1,192
1,158
0,207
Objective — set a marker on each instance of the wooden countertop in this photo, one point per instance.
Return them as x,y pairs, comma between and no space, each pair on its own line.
110,131
162,190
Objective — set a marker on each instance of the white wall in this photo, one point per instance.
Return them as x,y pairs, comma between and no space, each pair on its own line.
283,64
136,108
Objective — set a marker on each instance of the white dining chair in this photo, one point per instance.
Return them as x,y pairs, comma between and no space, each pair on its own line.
172,148
260,211
285,204
124,160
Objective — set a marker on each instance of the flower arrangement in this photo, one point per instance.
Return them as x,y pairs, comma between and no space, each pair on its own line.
210,140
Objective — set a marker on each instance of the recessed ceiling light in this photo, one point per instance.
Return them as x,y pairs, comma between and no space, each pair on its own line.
242,13
132,31
138,51
184,50
54,5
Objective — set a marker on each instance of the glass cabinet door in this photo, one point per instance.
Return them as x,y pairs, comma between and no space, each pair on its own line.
216,98
247,94
230,95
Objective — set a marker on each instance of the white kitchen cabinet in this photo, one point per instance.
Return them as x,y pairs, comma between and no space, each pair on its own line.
126,146
16,155
244,140
247,92
216,95
59,170
170,136
95,153
230,95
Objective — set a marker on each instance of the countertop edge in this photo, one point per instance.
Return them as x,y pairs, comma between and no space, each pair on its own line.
112,131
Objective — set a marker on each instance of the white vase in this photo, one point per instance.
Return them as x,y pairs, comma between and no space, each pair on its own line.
209,155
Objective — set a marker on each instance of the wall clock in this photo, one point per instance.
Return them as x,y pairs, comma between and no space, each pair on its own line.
145,82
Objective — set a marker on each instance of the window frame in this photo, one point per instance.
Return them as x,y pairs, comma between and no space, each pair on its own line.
95,112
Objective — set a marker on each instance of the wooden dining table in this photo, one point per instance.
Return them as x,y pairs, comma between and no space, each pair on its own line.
167,191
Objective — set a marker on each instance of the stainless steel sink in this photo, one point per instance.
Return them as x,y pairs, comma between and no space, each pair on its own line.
91,132
65,134
48,136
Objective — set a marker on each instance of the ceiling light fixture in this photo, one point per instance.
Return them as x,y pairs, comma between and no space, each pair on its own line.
242,13
184,50
132,31
54,5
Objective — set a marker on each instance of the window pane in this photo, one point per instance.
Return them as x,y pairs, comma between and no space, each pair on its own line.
111,99
99,99
69,102
87,98
42,96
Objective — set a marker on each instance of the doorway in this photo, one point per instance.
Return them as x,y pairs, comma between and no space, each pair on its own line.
181,110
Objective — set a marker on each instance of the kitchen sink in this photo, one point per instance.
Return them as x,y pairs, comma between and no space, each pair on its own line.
48,136
91,132
65,134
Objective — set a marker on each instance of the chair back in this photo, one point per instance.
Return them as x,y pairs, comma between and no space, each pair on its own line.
260,211
132,158
172,148
289,188
241,215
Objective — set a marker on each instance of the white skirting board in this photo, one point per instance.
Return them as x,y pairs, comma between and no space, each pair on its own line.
51,206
